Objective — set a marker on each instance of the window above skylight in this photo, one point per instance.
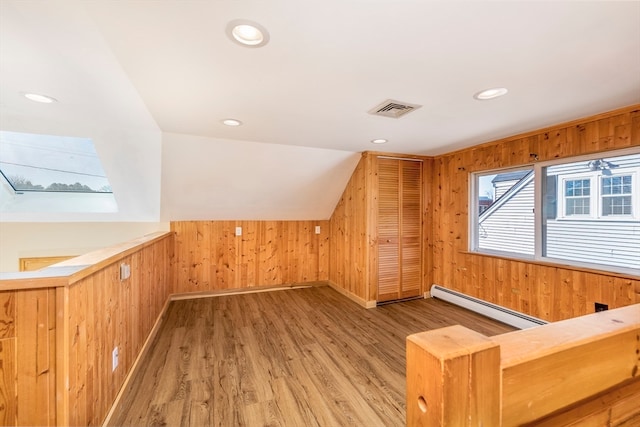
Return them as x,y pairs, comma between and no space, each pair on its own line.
51,164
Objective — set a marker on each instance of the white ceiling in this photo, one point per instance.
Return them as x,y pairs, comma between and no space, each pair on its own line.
150,81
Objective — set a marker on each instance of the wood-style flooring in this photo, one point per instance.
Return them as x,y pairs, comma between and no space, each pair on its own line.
299,357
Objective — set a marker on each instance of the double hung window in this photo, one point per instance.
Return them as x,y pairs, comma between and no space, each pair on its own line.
577,194
617,195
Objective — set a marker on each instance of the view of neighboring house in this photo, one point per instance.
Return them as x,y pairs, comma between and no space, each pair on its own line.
505,181
591,212
508,224
484,202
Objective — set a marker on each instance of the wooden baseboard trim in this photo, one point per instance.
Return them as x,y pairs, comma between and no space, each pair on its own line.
254,289
141,354
360,301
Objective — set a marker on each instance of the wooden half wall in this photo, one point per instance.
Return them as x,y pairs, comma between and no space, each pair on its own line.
103,312
28,357
59,326
577,372
210,257
548,291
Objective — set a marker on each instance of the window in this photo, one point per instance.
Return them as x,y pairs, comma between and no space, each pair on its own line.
576,193
51,174
506,207
583,212
616,195
48,163
582,198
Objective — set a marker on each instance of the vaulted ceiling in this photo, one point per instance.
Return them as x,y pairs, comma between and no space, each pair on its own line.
151,81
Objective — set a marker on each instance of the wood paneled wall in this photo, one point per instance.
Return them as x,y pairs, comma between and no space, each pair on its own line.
57,333
36,263
351,228
551,292
103,312
210,257
353,265
27,357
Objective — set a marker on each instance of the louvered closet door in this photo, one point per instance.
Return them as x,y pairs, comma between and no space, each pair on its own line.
388,229
411,229
399,228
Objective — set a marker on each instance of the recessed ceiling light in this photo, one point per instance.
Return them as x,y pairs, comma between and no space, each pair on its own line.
490,93
232,122
247,33
379,141
43,99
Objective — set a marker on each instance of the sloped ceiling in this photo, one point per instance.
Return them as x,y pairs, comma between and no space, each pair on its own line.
248,180
54,48
152,80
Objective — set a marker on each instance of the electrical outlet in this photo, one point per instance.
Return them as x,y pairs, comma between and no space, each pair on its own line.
238,231
125,271
601,307
317,229
114,359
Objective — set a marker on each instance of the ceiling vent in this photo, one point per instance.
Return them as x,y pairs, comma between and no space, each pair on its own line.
393,109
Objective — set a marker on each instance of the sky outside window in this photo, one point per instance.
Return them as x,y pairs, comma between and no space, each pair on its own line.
48,163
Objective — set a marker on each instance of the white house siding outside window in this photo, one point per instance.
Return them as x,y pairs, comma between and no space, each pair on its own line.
583,211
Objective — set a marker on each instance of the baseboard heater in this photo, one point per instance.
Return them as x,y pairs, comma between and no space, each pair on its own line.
502,314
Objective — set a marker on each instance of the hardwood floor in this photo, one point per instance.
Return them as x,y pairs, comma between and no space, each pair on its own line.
300,357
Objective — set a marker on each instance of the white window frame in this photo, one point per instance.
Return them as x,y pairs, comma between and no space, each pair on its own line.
562,197
595,209
596,195
474,226
635,195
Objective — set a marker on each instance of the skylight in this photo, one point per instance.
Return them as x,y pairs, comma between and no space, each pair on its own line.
52,164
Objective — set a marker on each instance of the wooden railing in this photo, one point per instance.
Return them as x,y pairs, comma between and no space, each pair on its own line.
59,325
581,371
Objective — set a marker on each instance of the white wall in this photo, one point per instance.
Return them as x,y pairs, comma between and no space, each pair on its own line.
216,179
21,239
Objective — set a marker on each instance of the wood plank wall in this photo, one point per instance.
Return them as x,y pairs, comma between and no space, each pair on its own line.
36,263
351,223
551,292
103,312
210,257
27,381
56,336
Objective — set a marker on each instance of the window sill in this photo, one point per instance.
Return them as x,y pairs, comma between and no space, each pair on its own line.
592,219
531,260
